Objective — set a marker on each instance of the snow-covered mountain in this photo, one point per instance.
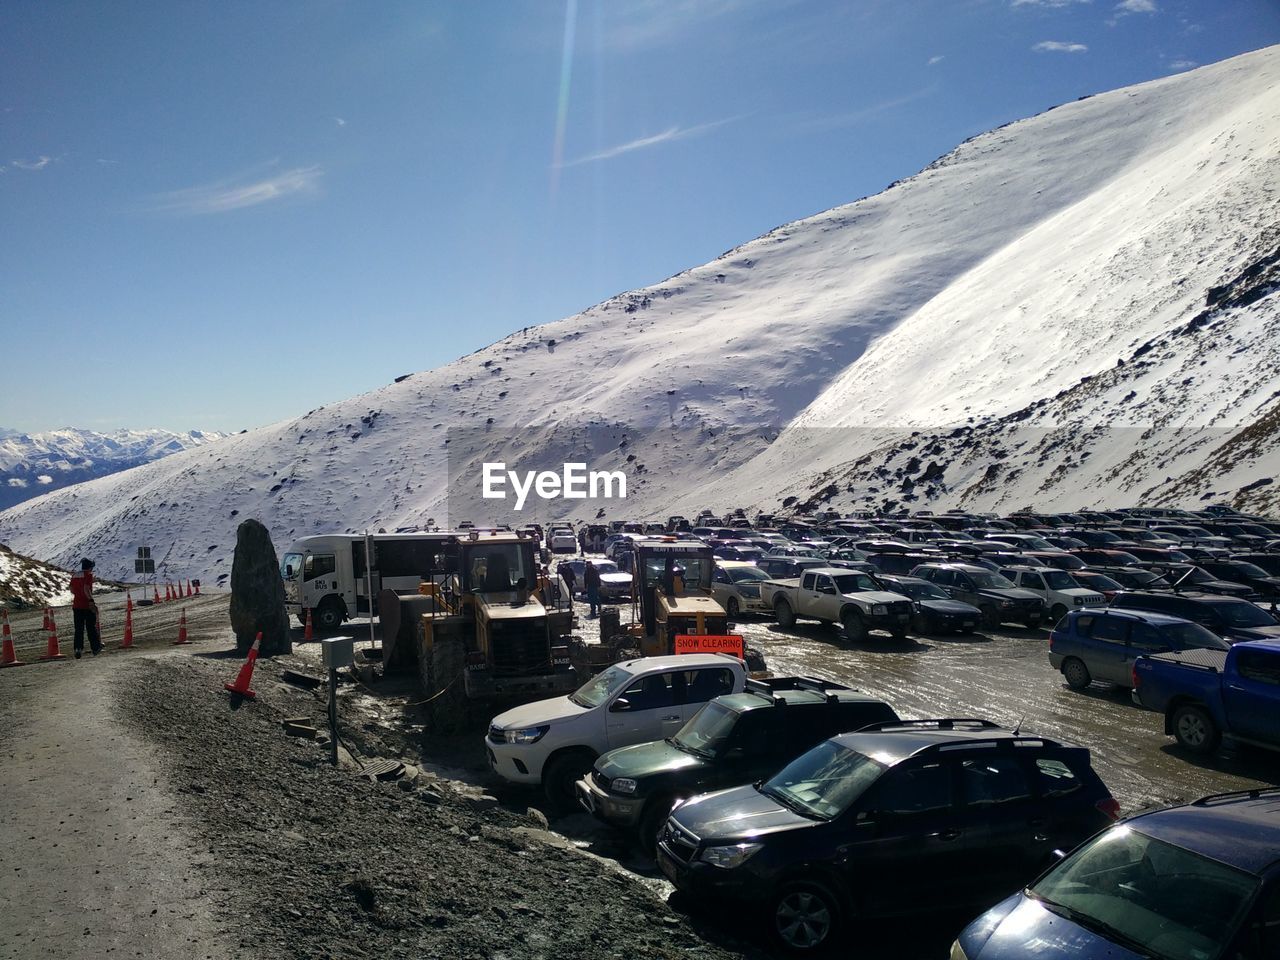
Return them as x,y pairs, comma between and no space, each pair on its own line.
35,463
1077,308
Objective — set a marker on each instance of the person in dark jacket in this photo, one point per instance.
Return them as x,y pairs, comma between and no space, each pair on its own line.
85,610
566,572
591,580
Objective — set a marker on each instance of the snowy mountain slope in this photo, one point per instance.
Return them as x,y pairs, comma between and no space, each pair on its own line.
994,280
36,463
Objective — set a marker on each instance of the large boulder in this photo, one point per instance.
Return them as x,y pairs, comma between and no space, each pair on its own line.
257,592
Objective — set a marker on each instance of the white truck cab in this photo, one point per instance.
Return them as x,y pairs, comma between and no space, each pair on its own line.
554,742
1060,591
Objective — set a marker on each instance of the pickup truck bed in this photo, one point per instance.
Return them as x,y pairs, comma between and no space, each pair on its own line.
1213,660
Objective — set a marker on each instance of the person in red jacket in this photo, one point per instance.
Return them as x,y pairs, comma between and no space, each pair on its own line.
84,609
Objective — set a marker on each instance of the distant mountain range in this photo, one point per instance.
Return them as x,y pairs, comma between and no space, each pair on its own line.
1078,309
36,463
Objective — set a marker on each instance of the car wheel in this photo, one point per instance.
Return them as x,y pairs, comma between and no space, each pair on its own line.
919,623
731,608
1195,729
855,630
898,633
558,778
655,814
1077,673
805,917
990,618
329,615
1034,623
1057,613
782,610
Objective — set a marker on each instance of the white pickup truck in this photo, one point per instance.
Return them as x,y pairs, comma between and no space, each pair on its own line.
855,600
554,742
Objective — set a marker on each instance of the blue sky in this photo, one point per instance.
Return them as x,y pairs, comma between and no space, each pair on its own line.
221,215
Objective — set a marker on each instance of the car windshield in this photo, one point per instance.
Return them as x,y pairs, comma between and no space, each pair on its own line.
1244,614
920,591
596,690
1059,580
290,565
1035,543
989,579
1183,636
1240,568
855,583
1097,581
707,731
746,574
1156,899
605,566
1141,578
825,782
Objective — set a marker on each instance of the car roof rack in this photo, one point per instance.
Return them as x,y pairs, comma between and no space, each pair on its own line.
943,723
1253,794
771,689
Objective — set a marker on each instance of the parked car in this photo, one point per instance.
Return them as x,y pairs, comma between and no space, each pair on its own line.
1231,618
554,742
1189,576
1206,694
615,584
1095,580
855,600
1134,578
1060,593
735,739
899,564
998,599
1199,880
1094,557
935,611
895,818
781,568
1264,585
736,587
1270,562
1103,644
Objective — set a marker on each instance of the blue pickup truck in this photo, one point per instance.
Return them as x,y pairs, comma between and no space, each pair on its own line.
1208,694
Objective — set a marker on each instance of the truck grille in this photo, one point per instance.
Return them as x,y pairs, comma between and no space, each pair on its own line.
678,842
516,655
899,607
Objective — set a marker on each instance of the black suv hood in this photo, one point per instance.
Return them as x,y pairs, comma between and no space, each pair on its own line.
646,760
737,814
1016,594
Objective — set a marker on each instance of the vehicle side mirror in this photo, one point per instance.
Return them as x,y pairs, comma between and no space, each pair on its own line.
621,705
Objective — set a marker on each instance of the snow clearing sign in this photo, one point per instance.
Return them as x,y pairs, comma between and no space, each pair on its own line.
730,643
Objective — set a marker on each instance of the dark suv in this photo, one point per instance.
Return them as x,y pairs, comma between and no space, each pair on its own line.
736,738
895,818
995,595
1229,617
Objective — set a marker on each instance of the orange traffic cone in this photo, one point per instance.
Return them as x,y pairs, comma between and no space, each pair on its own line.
128,602
156,591
168,591
241,686
53,653
48,619
307,633
8,656
182,630
188,588
127,642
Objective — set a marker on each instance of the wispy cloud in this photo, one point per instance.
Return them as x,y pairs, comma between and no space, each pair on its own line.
106,162
37,164
938,59
236,194
1047,3
1183,64
645,23
832,121
340,121
1059,46
670,135
1136,6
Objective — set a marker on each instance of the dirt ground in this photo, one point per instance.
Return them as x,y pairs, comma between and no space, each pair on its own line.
247,843
151,819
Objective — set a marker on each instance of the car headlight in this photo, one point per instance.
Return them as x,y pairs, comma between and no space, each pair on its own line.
624,785
879,610
526,735
957,952
1007,603
1079,601
728,857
